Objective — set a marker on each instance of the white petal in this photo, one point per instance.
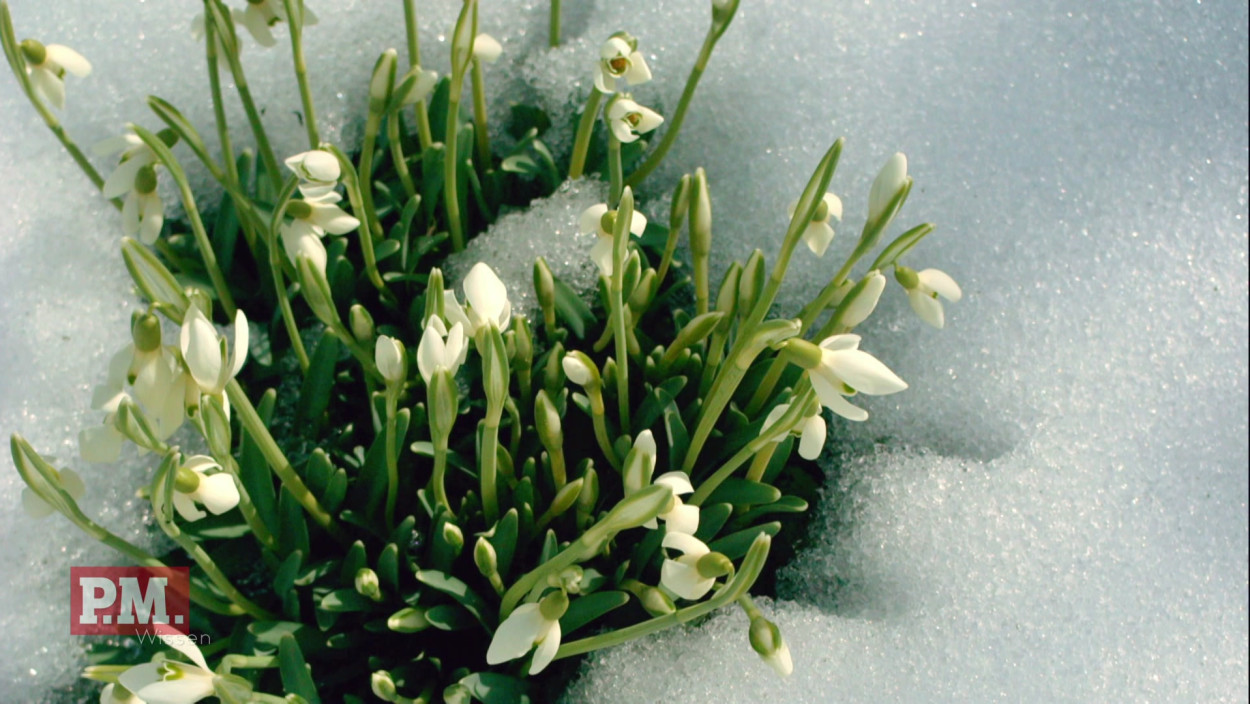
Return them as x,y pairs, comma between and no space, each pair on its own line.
130,215
687,544
684,580
486,293
201,348
637,224
774,416
218,493
638,71
780,661
684,518
122,180
315,165
140,676
812,440
186,508
50,86
516,635
387,356
431,353
333,219
622,132
679,482
866,302
576,370
257,25
614,48
835,343
940,283
242,338
34,506
834,204
546,650
650,120
838,404
592,218
645,443
817,237
100,443
601,255
865,373
454,312
69,60
151,217
455,348
168,416
927,307
604,82
116,145
300,238
486,48
191,687
890,179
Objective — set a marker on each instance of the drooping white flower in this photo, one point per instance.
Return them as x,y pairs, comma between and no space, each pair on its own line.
319,172
204,350
441,349
818,233
811,431
47,65
171,681
421,88
679,517
115,694
313,218
598,219
36,507
527,628
681,575
217,492
890,180
578,370
486,48
628,119
143,214
260,15
618,60
844,370
766,640
924,290
865,301
487,300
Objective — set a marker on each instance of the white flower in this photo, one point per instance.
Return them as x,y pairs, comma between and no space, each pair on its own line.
486,48
143,214
441,349
525,628
628,119
318,171
811,431
929,284
388,354
47,65
766,640
865,302
421,88
619,60
204,350
170,681
890,180
681,575
487,299
818,233
594,220
36,507
111,695
844,370
313,218
679,517
216,491
577,370
262,14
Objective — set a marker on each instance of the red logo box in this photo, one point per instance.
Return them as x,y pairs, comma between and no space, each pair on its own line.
129,601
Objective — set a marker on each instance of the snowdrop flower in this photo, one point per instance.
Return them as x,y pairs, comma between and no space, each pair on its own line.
194,485
599,220
683,575
388,354
47,66
486,48
441,349
115,694
421,87
818,233
811,431
679,517
923,289
628,119
890,180
170,681
36,507
260,15
143,214
204,350
530,626
844,370
766,640
313,218
619,59
487,299
318,171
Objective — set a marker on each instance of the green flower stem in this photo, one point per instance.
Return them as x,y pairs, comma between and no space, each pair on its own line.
742,581
369,217
251,422
268,698
248,509
246,662
392,452
438,480
718,397
166,157
451,187
397,155
295,22
788,420
601,434
490,459
759,463
553,25
614,171
620,244
221,16
585,128
479,117
355,195
414,59
275,272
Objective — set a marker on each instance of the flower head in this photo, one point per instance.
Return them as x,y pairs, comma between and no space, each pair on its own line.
923,289
388,354
143,214
217,491
318,170
811,431
766,640
260,15
681,575
486,48
313,218
619,59
171,681
628,119
116,694
844,369
47,66
530,626
889,182
69,482
487,300
599,220
818,233
204,350
441,349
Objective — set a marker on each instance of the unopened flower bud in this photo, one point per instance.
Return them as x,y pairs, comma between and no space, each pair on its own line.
861,301
581,369
547,421
383,686
453,537
408,620
485,558
361,323
545,287
700,216
367,584
891,181
766,640
382,80
390,356
565,497
681,202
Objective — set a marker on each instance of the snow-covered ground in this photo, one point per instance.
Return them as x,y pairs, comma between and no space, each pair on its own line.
1056,510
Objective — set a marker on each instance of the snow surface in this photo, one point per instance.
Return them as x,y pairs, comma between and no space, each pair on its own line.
1056,510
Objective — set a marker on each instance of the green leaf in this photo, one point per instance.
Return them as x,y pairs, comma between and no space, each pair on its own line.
494,688
284,578
658,401
678,436
786,504
457,590
504,541
449,617
735,545
353,560
585,609
712,518
314,395
744,491
388,566
572,309
345,601
386,248
293,528
335,492
296,675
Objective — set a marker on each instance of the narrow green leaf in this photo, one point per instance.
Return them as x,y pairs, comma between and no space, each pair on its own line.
735,545
744,491
314,395
712,518
457,590
449,617
585,609
495,688
296,675
572,309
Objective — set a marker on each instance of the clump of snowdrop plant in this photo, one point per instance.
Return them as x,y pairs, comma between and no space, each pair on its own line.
393,486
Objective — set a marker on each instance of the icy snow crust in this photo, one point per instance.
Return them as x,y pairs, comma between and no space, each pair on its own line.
1056,510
